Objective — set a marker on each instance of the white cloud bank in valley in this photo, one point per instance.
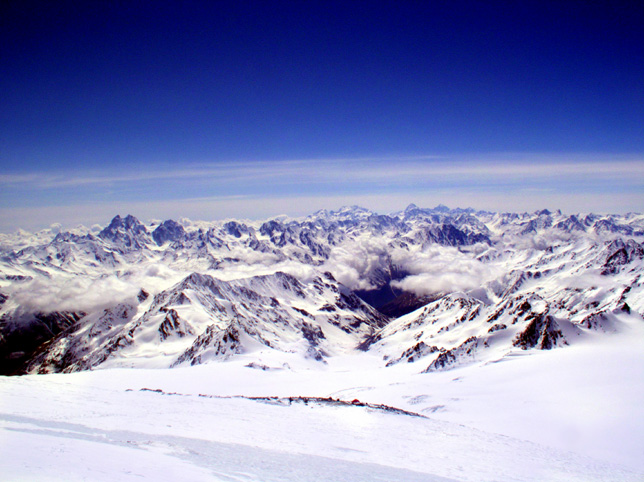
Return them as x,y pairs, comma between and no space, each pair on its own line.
69,292
440,269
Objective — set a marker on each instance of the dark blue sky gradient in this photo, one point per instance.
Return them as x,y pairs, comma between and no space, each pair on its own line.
133,82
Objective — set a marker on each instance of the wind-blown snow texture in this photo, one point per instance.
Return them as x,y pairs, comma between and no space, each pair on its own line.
419,293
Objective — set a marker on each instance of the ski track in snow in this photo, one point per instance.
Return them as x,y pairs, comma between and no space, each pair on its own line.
100,425
257,299
164,457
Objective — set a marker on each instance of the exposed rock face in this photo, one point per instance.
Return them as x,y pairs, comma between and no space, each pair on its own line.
416,352
203,318
142,295
448,358
168,231
174,325
620,253
406,303
453,286
72,349
541,332
126,234
22,336
212,343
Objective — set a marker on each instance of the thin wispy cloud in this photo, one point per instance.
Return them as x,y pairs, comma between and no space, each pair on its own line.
249,113
263,207
367,170
258,189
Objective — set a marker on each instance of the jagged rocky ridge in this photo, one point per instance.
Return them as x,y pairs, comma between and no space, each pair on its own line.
484,285
203,318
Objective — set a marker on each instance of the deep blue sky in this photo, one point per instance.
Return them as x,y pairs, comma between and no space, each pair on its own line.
102,88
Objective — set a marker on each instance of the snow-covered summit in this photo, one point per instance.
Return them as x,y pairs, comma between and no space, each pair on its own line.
584,268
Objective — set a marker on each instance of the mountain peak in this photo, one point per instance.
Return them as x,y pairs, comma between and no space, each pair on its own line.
277,283
168,230
131,221
353,211
124,231
128,222
441,208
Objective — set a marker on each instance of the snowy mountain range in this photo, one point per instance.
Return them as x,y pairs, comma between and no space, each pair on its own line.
435,287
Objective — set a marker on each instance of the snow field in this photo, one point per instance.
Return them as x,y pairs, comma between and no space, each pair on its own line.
562,415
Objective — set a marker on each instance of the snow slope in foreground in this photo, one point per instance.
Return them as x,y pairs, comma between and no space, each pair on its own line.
574,414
